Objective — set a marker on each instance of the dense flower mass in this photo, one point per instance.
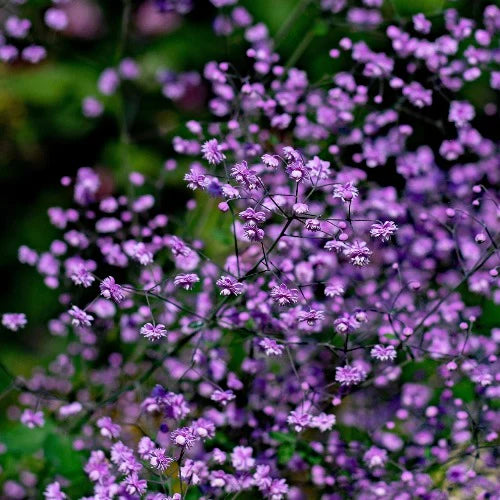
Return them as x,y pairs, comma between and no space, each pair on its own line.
337,347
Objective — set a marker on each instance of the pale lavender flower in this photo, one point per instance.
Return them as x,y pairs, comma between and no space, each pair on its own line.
159,460
134,485
111,290
349,375
229,285
284,296
222,397
358,252
346,192
32,419
242,459
186,281
383,353
212,152
184,437
323,422
311,317
270,160
154,332
271,347
53,492
14,321
81,276
384,230
107,428
461,113
375,457
80,317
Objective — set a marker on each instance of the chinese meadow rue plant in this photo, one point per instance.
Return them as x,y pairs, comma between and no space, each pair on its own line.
338,348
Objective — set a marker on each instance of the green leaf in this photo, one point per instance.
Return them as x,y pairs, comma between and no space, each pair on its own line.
285,452
61,456
283,437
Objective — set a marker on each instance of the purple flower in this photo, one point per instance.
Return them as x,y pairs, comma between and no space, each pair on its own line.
184,437
159,460
253,232
244,176
251,215
16,27
375,457
358,252
311,317
345,324
154,332
297,171
222,397
346,192
92,107
461,113
349,375
383,353
271,347
384,230
142,254
242,459
186,281
111,290
56,19
33,53
14,321
32,419
284,296
212,152
313,225
80,317
108,429
300,418
53,492
134,485
421,24
323,422
203,428
196,179
81,276
270,160
229,285
417,95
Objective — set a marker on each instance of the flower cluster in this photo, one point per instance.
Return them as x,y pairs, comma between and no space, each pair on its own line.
336,349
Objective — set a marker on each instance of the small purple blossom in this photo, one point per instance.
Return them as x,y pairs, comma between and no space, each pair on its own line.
111,290
229,285
349,375
383,353
80,317
346,192
186,281
212,152
154,332
271,347
32,419
222,397
384,230
14,321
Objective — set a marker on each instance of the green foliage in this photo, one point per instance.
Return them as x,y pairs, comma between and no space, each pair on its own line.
407,8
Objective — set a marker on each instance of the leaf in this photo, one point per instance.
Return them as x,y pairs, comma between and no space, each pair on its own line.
283,437
285,452
61,456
